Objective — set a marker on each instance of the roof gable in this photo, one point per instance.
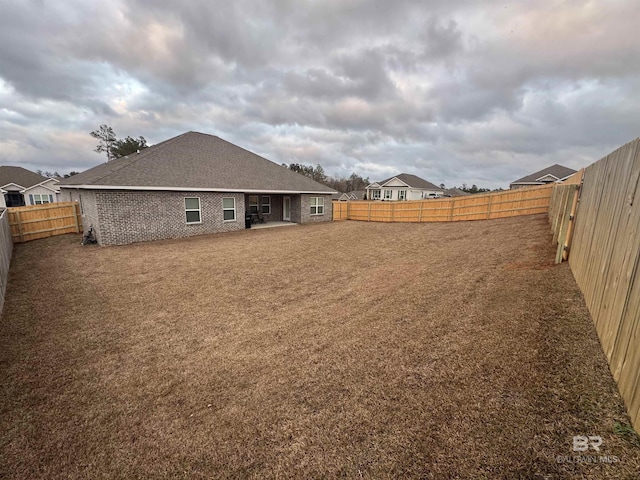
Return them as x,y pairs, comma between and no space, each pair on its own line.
11,184
547,178
194,161
19,176
413,181
394,182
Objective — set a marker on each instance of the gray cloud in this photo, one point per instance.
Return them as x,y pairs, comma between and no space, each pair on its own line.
464,92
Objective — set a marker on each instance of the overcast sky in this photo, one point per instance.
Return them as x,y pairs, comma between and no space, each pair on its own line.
456,92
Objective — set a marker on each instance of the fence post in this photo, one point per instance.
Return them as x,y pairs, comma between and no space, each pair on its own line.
489,206
453,205
19,220
75,217
369,213
566,218
420,213
348,217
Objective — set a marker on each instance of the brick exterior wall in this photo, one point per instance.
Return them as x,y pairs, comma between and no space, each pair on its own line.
88,208
122,216
296,213
305,209
138,216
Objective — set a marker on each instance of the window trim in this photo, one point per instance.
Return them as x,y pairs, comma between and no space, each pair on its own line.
235,216
402,194
390,192
40,201
376,194
263,204
317,206
199,210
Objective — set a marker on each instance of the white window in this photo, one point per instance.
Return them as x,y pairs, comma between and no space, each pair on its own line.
317,205
253,203
266,204
41,199
387,194
402,194
192,210
375,194
229,209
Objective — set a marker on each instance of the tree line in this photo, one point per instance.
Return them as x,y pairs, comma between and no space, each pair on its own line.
354,181
341,184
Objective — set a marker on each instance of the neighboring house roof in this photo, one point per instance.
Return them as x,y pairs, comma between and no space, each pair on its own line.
455,192
20,177
411,181
355,195
550,174
195,161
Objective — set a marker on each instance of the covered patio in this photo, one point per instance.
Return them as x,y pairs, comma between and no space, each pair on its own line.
277,223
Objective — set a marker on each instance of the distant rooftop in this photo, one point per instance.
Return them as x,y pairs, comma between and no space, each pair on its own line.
557,171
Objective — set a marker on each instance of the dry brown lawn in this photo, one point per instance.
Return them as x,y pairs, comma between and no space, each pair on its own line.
350,349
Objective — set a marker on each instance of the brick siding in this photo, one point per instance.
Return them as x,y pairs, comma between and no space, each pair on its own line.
305,209
121,216
88,208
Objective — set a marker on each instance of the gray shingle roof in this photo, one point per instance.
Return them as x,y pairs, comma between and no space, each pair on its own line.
196,160
20,176
413,181
556,170
456,192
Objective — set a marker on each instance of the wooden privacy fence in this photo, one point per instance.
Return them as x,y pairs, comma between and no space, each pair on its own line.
512,203
562,214
40,221
6,249
605,259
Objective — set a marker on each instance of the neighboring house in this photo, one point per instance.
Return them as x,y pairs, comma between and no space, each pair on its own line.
192,184
455,192
355,195
403,187
553,174
20,187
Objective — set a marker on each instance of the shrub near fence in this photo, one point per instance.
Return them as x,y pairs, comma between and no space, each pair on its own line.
511,203
41,221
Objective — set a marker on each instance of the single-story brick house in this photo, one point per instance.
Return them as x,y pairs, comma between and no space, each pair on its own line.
20,187
192,184
403,187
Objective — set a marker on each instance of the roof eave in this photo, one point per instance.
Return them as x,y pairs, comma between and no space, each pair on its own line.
195,189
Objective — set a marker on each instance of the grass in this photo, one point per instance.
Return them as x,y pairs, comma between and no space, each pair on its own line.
350,349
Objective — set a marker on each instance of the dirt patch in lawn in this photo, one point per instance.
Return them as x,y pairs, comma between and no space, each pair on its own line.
348,349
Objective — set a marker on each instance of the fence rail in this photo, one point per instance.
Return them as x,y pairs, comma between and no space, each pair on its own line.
525,201
40,221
